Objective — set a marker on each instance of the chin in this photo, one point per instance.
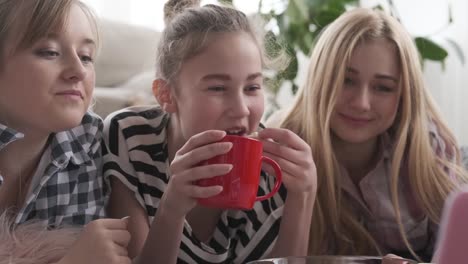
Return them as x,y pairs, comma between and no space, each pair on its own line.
354,138
66,122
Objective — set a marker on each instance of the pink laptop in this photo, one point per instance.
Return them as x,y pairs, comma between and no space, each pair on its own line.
452,244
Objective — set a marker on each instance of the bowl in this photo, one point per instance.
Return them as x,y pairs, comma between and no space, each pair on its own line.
334,260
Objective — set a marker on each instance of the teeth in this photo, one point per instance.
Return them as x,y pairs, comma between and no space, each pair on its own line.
238,131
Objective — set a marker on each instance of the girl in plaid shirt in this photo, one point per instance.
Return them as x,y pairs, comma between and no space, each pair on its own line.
50,147
385,158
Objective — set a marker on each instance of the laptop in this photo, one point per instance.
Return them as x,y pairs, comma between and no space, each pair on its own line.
452,244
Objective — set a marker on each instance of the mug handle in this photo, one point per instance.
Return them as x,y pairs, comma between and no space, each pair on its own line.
278,176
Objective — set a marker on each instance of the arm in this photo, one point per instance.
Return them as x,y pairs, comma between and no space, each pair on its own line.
164,237
293,237
300,179
123,203
163,241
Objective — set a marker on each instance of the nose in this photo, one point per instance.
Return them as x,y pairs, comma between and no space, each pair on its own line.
362,99
74,71
239,106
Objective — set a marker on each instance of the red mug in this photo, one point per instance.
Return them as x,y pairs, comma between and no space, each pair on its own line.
240,185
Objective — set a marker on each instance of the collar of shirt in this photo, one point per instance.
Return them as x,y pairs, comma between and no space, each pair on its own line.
384,154
8,135
66,146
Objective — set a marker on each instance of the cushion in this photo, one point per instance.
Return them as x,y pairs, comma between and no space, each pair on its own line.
126,50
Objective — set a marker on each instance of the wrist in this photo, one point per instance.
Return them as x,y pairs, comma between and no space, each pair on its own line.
301,199
168,213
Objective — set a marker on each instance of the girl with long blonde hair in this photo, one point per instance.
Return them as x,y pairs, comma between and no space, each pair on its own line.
385,158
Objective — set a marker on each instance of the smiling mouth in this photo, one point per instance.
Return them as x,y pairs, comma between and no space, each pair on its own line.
236,131
356,120
73,93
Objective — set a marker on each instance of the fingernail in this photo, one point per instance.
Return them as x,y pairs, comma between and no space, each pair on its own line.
254,135
126,217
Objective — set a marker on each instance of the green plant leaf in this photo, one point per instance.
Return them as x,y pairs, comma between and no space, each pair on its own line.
291,71
326,16
297,11
458,50
430,50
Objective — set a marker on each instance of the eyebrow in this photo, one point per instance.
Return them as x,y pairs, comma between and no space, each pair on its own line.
226,77
86,41
378,76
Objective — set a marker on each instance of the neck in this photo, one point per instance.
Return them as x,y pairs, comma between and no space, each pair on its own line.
175,139
357,158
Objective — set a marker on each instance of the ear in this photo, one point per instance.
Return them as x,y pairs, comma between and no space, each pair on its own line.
163,93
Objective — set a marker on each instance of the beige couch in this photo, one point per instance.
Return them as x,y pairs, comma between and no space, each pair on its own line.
124,66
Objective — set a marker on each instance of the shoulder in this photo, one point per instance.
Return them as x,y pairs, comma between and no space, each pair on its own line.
88,132
137,116
91,124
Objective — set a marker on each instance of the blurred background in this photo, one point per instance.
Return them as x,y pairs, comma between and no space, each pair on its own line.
443,23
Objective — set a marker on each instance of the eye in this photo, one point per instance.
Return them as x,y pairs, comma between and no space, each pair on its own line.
216,88
47,53
384,88
348,81
252,88
86,59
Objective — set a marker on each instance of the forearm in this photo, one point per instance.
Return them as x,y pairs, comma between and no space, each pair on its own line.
293,237
163,241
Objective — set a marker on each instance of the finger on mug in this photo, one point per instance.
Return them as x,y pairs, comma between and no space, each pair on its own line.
286,166
203,153
201,139
279,149
204,172
195,191
284,137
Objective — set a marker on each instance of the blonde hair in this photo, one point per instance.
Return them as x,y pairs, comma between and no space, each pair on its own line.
333,220
187,32
32,243
35,19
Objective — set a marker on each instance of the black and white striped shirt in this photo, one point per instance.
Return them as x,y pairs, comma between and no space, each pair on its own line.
138,157
67,187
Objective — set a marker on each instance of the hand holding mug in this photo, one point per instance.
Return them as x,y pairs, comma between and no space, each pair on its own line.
240,185
182,192
294,157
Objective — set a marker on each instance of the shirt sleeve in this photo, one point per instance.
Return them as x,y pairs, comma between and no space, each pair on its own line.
117,161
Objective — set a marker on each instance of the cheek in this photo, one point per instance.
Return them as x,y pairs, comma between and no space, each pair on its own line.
257,107
90,81
394,105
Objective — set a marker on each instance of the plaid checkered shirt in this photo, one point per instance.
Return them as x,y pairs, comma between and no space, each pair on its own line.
71,190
